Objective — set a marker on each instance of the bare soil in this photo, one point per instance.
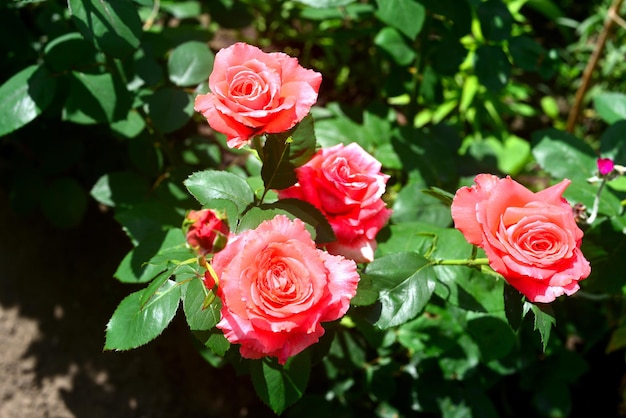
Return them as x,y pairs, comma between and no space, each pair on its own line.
56,296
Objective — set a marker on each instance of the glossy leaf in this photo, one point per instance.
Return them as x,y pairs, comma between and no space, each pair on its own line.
393,43
24,96
405,284
198,316
133,325
208,185
113,27
280,386
190,63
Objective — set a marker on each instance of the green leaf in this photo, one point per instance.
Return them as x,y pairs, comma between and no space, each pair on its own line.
495,20
113,27
527,53
393,43
322,4
492,67
182,9
563,155
412,205
493,335
69,52
544,320
64,202
94,98
613,142
281,386
405,15
190,63
585,193
277,171
120,189
405,284
131,126
142,263
133,325
24,96
169,109
610,106
513,306
208,185
198,316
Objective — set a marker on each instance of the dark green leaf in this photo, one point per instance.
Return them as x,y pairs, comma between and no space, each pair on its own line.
169,109
513,306
492,67
24,96
613,142
133,325
280,386
405,15
405,284
64,202
493,335
69,52
495,20
190,63
277,171
208,185
122,188
94,98
527,53
182,9
112,26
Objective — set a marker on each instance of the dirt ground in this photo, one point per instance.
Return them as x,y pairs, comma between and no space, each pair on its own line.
56,296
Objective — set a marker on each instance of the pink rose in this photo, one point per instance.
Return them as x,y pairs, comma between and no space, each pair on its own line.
346,185
530,238
253,92
205,230
277,287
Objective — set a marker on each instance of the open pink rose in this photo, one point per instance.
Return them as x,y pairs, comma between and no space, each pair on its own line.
530,238
206,231
277,287
345,183
253,92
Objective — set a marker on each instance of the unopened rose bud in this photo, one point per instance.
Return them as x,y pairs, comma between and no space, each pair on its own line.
206,231
605,166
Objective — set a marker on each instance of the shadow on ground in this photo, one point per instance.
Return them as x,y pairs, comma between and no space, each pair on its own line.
56,296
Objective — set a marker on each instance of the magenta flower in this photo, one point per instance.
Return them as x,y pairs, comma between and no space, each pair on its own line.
605,166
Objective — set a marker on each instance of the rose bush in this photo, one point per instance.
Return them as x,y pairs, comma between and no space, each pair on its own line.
530,238
206,231
345,183
253,92
276,288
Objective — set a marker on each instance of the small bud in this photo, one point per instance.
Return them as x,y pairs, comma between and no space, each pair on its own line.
605,166
206,231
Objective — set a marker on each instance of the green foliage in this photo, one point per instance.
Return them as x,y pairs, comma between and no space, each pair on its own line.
97,99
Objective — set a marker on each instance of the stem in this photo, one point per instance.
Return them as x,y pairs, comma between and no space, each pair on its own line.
592,64
463,262
596,203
